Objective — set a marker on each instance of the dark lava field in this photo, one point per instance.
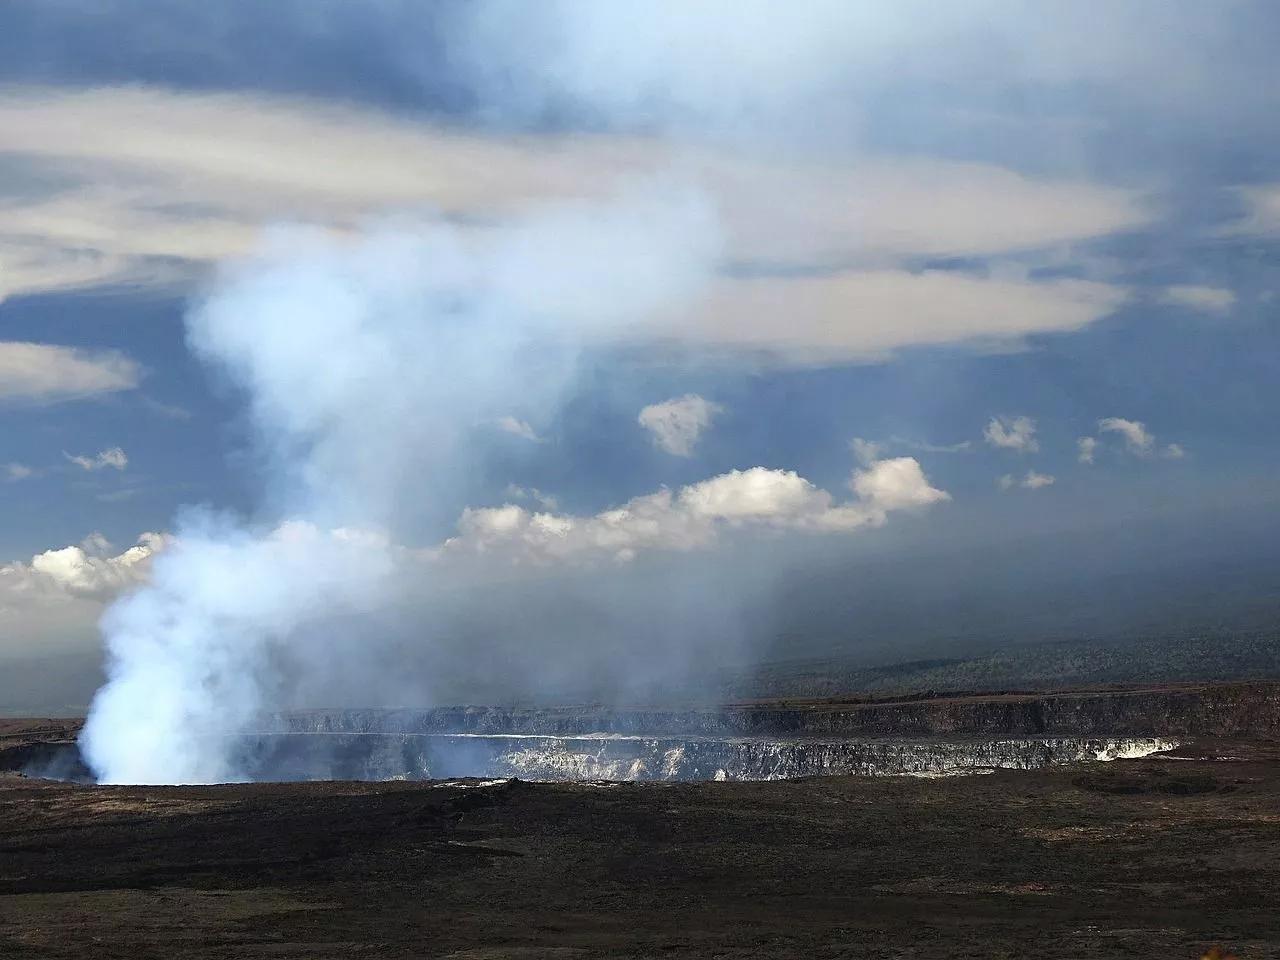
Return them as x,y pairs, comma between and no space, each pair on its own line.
1163,857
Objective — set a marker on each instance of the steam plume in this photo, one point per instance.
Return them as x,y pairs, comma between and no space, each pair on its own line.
366,364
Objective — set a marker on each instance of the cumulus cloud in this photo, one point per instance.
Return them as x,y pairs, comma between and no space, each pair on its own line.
678,423
1207,299
695,516
517,428
897,483
43,373
1138,440
1088,447
14,472
114,458
92,570
1034,481
1012,433
163,185
87,570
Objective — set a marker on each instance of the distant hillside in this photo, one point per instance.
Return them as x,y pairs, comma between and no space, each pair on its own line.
1042,666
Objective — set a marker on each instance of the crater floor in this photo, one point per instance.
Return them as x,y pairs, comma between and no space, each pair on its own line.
1158,857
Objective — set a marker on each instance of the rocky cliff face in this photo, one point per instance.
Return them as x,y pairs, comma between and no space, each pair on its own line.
1229,711
928,736
411,756
385,756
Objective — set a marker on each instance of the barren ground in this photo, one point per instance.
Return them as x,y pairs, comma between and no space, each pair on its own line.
1152,858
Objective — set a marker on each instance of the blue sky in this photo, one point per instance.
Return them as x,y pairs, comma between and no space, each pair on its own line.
924,218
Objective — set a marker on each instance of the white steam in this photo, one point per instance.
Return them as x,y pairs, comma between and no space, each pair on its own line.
370,363
366,364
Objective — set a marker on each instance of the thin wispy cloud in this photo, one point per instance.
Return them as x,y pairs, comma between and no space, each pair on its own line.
13,472
41,373
517,428
964,446
1032,481
866,451
1012,433
1136,440
1087,447
1207,299
545,500
113,459
677,424
169,411
170,184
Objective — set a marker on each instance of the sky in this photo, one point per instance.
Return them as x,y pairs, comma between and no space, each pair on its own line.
825,292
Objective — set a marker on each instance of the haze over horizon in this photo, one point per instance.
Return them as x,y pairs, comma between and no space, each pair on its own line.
603,345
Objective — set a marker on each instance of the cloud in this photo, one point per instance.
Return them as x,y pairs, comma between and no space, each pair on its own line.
157,186
1208,299
1138,440
85,571
545,500
14,472
866,451
1032,481
52,601
854,315
167,410
678,423
1012,433
897,483
695,516
695,66
700,65
115,458
1088,446
1263,211
118,496
517,428
42,373
964,446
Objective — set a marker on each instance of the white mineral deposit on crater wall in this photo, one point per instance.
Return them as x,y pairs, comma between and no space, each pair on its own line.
1134,749
493,758
641,758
